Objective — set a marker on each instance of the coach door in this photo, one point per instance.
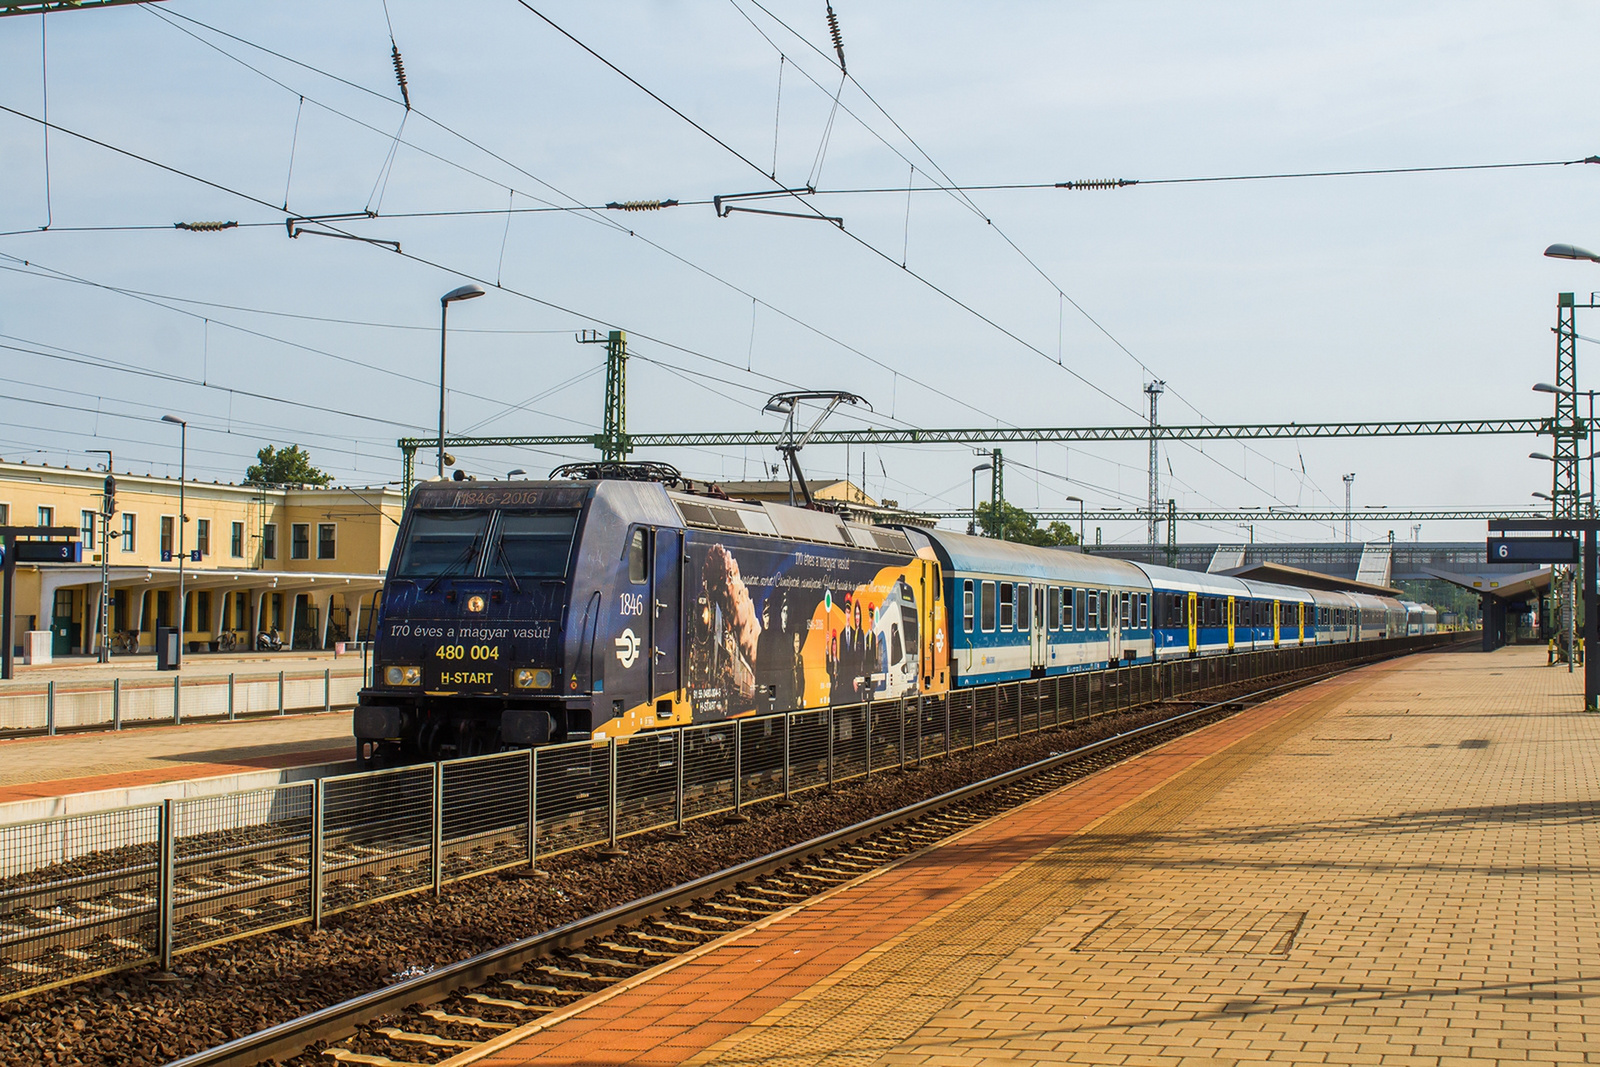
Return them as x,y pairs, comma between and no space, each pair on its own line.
1193,615
1038,639
665,582
1111,611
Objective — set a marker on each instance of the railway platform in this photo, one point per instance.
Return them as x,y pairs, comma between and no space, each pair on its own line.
41,777
1394,866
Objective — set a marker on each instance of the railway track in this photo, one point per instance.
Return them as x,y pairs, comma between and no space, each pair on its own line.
430,1017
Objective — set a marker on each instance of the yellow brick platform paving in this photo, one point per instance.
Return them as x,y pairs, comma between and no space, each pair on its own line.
1389,868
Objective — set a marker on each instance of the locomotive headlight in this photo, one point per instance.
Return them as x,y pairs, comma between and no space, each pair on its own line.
403,675
532,678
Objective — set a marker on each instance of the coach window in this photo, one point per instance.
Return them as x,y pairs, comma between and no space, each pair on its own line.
1007,605
1054,608
1079,608
1094,609
1024,607
638,559
986,607
1127,610
1066,609
967,606
1144,611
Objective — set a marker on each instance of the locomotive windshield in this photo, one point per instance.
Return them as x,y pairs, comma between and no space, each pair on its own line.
442,542
535,544
524,544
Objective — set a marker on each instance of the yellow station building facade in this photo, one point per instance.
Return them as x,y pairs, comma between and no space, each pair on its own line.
305,561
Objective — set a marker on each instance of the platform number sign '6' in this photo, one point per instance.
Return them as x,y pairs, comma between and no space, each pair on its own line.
627,649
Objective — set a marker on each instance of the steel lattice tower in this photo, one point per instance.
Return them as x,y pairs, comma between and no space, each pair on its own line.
1154,391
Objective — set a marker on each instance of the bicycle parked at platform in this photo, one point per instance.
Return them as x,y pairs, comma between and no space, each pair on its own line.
126,641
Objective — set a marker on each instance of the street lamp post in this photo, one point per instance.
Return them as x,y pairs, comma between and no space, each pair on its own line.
465,292
103,651
1079,499
972,527
183,520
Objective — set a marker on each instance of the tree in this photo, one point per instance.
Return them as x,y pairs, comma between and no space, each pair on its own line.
1021,527
288,466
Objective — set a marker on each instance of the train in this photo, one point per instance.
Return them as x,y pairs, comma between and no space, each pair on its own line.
523,613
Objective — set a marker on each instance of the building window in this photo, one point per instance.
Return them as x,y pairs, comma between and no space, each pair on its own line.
200,620
236,546
269,541
968,608
168,524
86,523
130,523
300,540
5,514
47,516
202,536
325,540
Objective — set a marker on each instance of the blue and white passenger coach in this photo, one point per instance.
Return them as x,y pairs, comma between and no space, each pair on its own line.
1018,611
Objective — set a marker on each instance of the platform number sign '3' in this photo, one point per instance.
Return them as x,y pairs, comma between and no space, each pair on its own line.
627,649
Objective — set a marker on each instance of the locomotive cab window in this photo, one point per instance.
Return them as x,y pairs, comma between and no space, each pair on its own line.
536,544
638,558
442,542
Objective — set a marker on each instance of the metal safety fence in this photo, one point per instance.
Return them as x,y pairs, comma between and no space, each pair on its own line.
88,894
59,706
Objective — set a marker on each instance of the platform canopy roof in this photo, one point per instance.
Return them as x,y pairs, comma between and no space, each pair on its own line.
1298,576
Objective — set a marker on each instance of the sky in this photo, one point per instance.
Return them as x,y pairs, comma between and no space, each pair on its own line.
1417,296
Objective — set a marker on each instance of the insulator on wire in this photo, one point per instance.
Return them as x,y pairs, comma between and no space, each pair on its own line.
204,227
400,73
641,205
1099,183
838,38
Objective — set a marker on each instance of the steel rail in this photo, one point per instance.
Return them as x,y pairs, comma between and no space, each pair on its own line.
289,1038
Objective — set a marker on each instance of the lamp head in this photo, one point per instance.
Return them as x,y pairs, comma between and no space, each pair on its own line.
1545,387
1540,455
983,467
173,419
1571,252
465,292
513,474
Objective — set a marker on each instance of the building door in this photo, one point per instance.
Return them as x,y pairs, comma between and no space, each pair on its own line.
666,581
65,631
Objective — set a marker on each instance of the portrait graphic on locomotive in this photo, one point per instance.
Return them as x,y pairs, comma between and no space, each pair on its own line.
778,627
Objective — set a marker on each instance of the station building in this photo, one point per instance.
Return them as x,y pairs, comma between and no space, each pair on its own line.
305,561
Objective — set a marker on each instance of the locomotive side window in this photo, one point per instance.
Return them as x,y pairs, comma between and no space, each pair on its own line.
967,607
1007,604
442,542
536,544
986,607
638,558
